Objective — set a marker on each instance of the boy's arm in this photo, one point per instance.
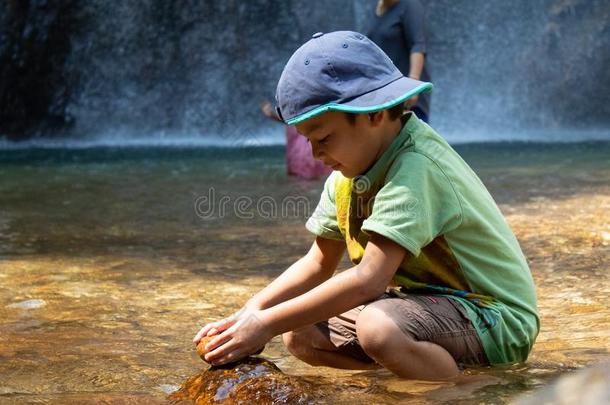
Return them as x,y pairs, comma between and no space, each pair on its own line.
346,290
353,287
317,266
312,269
416,65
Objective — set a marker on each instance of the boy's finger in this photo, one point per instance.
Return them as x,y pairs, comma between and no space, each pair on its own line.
228,358
214,328
199,335
202,332
210,329
220,351
219,340
223,325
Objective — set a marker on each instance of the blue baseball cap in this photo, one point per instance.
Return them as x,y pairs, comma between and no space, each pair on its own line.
341,71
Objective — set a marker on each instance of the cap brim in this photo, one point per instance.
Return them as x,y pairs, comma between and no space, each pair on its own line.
385,97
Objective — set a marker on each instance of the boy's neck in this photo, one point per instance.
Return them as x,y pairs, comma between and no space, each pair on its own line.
388,133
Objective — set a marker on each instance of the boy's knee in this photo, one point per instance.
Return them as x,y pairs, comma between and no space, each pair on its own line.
290,341
375,331
304,344
297,344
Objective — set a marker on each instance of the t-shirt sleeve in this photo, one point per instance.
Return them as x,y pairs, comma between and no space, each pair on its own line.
416,204
323,221
413,20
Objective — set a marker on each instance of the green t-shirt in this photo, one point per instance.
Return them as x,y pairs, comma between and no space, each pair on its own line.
423,196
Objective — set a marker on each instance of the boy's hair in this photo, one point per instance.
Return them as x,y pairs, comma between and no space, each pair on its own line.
393,112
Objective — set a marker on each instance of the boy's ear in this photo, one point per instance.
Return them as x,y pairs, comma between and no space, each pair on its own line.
375,117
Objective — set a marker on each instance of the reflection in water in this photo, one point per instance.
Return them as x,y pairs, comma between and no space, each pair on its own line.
107,271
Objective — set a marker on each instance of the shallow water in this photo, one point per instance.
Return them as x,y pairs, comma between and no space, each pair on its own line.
110,260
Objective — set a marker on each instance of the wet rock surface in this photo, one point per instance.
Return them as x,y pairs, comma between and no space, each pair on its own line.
241,382
251,380
588,386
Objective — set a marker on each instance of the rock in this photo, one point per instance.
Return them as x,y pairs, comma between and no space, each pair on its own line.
168,388
205,340
28,304
590,386
201,346
251,380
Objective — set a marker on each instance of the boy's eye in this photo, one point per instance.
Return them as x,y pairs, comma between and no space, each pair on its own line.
324,140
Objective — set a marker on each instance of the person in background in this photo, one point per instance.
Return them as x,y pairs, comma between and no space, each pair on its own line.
398,28
299,159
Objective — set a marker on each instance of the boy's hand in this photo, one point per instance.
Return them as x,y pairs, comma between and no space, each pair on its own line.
245,335
214,328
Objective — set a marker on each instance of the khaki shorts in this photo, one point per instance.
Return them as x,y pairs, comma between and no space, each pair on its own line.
430,318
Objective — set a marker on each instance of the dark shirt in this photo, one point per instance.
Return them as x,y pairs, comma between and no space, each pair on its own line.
400,31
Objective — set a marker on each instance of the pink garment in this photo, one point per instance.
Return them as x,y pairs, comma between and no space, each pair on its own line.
299,159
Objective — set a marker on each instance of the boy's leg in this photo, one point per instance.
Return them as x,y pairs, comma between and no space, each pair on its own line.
311,345
419,337
401,353
414,336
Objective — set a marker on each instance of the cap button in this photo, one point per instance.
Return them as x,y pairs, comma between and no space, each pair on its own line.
317,35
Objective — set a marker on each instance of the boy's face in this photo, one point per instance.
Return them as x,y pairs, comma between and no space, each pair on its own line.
349,148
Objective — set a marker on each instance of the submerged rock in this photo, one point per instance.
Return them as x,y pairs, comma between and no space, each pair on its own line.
590,386
28,304
250,381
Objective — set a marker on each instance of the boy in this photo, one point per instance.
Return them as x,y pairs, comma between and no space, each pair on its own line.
439,281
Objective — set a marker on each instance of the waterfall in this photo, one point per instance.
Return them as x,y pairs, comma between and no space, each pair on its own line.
197,70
